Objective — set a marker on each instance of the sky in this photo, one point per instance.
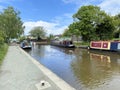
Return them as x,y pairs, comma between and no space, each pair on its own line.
54,15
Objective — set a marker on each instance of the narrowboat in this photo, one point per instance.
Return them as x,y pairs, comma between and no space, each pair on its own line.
105,45
115,46
67,43
25,45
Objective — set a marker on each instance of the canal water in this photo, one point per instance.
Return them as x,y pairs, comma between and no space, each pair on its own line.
81,68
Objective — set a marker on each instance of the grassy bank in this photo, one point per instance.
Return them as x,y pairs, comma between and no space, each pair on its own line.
77,44
3,51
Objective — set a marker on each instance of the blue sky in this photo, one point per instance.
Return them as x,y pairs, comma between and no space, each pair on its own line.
55,15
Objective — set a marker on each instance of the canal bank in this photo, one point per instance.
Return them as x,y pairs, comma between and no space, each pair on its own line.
20,71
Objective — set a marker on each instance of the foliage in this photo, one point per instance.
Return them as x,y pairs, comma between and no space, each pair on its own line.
73,29
4,49
66,32
22,38
105,29
1,38
87,16
92,24
51,36
11,24
117,25
38,32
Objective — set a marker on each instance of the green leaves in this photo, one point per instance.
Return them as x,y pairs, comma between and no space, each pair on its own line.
11,24
38,32
1,38
92,24
117,25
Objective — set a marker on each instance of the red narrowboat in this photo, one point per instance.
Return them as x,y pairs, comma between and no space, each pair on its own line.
103,45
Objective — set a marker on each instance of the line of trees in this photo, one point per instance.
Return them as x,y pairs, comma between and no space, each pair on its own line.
92,23
11,25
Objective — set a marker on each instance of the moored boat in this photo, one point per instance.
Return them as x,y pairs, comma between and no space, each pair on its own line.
105,45
62,43
25,45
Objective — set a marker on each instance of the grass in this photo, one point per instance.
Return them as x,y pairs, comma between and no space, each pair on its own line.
81,43
117,39
3,51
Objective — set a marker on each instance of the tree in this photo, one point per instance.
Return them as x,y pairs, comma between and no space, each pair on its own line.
74,29
1,33
1,38
38,32
105,30
89,19
11,23
117,25
50,37
66,32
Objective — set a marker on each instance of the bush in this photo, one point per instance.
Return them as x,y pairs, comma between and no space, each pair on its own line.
1,38
3,51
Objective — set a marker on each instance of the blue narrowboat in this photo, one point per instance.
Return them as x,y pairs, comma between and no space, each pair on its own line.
25,45
115,46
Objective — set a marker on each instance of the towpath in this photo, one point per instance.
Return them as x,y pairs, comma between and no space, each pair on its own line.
19,71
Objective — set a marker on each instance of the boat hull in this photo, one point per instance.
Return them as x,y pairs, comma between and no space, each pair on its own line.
26,47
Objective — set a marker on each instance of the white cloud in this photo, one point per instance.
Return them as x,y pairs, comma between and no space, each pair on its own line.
51,28
111,6
57,25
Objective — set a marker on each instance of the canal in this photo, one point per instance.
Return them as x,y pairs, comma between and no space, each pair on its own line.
81,68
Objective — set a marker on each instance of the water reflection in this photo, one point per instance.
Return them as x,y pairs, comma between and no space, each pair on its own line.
81,68
96,70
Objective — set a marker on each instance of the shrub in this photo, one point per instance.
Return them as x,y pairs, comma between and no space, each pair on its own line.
3,51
